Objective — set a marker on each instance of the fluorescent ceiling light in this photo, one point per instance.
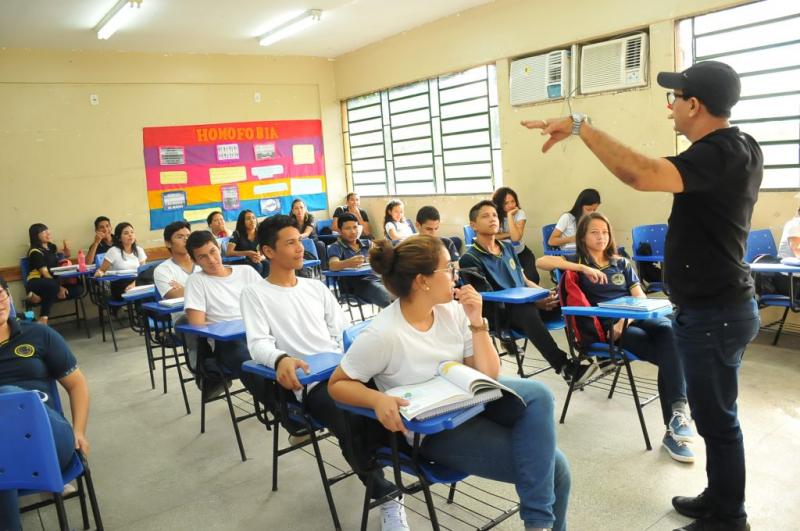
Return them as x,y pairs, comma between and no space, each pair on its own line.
122,12
290,27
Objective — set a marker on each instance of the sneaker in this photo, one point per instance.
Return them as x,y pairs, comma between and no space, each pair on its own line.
393,516
713,523
577,372
680,427
298,439
693,506
678,450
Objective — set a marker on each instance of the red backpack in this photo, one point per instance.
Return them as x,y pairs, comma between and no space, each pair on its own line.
583,330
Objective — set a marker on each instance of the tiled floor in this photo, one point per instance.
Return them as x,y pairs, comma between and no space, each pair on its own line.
154,470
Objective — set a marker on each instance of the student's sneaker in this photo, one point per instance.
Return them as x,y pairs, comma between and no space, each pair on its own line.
678,450
577,372
393,516
693,506
680,427
298,439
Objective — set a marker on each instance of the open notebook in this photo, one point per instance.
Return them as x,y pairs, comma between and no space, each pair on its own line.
641,304
456,386
140,289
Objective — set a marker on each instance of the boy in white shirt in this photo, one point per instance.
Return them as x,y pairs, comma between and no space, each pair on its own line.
212,295
286,315
170,276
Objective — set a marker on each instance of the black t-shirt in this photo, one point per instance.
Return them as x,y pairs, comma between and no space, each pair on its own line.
308,221
342,209
33,356
39,257
102,247
242,243
710,220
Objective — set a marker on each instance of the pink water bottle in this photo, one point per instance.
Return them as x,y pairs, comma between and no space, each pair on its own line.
81,261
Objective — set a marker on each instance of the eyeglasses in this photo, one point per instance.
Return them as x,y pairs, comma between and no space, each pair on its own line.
451,268
671,97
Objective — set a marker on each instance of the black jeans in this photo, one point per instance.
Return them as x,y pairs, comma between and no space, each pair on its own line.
528,319
711,342
322,407
528,261
47,289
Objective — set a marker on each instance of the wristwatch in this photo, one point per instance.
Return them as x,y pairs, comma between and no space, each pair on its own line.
577,119
482,328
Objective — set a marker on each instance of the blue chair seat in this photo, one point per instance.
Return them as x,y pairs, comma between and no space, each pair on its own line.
557,324
434,472
776,300
601,350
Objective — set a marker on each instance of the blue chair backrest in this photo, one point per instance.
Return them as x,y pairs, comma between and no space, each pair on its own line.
310,246
324,224
98,259
760,242
223,244
652,234
147,266
351,333
547,230
28,457
469,235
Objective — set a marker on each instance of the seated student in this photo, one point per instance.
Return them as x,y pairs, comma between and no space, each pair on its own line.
31,356
216,224
124,255
212,295
563,236
405,344
512,227
348,251
501,269
428,221
396,227
286,315
603,275
244,242
43,256
353,207
789,246
103,239
304,222
170,275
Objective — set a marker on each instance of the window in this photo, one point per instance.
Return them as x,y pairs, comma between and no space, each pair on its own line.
437,136
761,41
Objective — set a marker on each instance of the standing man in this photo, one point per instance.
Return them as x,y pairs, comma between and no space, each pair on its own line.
715,185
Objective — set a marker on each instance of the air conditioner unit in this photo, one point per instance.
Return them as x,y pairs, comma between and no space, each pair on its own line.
540,77
615,64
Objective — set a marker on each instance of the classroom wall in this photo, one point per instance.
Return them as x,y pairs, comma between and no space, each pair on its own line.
64,162
547,184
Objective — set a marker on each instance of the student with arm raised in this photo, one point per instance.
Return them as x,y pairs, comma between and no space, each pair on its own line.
512,228
44,288
103,238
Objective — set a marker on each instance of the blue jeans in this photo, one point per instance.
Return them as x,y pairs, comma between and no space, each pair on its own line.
65,448
711,342
653,340
514,444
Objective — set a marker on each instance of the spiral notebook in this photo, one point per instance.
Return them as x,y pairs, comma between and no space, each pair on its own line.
455,387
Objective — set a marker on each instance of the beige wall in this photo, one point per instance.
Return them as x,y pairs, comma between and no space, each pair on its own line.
547,184
64,161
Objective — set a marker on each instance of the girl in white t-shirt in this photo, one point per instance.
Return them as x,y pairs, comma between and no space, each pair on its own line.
512,227
125,255
789,246
396,226
405,344
563,236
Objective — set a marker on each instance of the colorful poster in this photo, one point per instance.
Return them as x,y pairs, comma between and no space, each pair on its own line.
192,170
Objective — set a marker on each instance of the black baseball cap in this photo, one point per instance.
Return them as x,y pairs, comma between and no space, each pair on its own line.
715,84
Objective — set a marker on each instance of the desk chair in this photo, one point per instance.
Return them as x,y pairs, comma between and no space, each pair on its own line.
317,249
469,236
759,242
286,411
654,236
76,298
573,301
28,457
325,231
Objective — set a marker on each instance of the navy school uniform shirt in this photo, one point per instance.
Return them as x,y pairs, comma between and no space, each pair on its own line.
33,356
501,271
39,257
242,243
341,250
621,279
710,220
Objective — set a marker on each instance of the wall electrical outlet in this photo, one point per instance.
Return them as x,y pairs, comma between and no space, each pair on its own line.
257,97
94,99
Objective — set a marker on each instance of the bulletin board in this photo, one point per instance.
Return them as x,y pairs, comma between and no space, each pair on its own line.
194,170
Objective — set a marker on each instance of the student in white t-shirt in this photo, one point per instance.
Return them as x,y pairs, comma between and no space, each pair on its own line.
405,344
125,255
286,315
512,227
170,275
789,246
395,224
563,236
212,295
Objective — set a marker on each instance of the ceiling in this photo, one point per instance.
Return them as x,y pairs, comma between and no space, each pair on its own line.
215,26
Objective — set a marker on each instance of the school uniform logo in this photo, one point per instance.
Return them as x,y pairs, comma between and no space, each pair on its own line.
24,350
512,263
618,279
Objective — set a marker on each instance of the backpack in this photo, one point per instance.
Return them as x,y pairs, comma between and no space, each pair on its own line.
773,283
583,330
648,271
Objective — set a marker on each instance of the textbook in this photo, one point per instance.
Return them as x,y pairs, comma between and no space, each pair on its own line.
122,272
456,386
64,269
177,301
640,304
140,289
